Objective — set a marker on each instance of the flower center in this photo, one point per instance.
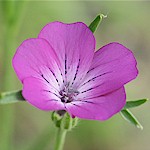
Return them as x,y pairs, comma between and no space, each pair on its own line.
68,95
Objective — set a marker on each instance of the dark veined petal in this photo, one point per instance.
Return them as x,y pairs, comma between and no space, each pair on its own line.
74,45
36,58
113,66
40,94
98,108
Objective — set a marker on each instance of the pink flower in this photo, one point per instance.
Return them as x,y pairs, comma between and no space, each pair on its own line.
60,70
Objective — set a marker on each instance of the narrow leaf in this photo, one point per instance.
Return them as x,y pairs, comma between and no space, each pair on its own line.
96,22
131,104
11,97
128,116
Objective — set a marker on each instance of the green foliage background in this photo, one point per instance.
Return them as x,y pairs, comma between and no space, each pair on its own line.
23,127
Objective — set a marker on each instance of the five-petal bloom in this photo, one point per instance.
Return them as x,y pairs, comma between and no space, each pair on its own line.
60,70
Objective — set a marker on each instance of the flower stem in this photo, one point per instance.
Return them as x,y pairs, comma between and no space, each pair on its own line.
60,139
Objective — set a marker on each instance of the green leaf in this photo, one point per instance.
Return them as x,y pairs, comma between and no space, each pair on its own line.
128,116
131,104
96,22
11,97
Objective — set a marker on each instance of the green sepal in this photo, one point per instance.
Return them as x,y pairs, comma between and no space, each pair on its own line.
75,122
96,22
11,97
64,121
131,104
128,116
56,118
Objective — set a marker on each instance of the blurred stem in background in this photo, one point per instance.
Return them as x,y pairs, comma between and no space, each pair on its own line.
12,11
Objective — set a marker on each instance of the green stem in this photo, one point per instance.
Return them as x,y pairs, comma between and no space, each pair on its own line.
8,82
60,139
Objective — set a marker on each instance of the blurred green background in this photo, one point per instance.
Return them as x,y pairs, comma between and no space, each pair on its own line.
23,127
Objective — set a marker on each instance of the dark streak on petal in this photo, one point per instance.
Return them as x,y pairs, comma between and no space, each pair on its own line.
103,95
62,77
82,108
84,101
52,93
48,81
90,70
90,89
76,71
90,102
54,76
96,67
65,64
95,78
51,100
44,78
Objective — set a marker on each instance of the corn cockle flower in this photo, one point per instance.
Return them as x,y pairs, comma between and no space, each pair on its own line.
60,70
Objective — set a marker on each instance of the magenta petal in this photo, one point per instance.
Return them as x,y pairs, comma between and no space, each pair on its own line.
74,45
98,108
41,95
35,57
113,66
